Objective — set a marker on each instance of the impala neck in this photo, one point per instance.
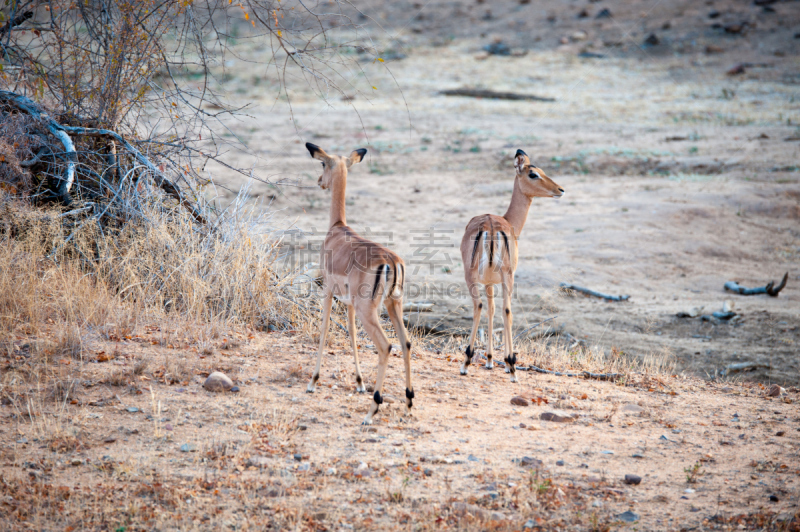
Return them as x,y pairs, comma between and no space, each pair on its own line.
517,212
338,189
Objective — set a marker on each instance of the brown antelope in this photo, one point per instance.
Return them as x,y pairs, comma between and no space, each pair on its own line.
489,252
362,275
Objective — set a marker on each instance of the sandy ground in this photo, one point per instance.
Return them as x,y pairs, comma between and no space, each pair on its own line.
130,451
679,177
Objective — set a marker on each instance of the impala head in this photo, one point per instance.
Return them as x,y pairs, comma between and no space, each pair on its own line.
333,166
532,180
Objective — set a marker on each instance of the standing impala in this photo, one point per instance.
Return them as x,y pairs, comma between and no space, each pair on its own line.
362,275
489,252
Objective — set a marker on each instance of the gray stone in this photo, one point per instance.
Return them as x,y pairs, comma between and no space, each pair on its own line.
634,480
529,524
558,416
519,401
188,448
132,409
631,409
527,461
219,382
628,517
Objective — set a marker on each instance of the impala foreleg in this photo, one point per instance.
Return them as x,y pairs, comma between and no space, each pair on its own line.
351,327
511,356
326,314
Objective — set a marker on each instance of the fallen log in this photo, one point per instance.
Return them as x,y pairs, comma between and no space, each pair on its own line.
770,289
584,374
494,95
568,286
743,366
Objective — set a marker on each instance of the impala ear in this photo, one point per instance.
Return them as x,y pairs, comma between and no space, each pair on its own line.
520,160
356,157
317,152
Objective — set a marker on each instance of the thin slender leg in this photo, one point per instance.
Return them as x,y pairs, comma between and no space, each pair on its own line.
373,327
511,356
476,321
351,328
394,307
490,312
326,314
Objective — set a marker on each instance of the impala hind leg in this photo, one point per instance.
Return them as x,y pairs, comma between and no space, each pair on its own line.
374,330
476,320
326,314
394,307
511,356
490,312
351,328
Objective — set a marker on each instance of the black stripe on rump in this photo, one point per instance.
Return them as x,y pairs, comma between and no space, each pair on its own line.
491,248
475,247
377,280
505,238
402,275
394,279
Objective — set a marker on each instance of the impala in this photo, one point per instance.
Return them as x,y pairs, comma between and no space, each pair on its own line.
362,275
489,253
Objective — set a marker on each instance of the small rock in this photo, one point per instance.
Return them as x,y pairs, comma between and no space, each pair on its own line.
597,504
168,426
688,490
775,391
109,439
691,313
632,409
628,517
331,471
304,466
606,452
634,480
557,416
76,462
727,305
258,461
579,36
527,461
637,455
519,401
132,409
529,525
298,457
652,40
559,462
473,458
219,382
428,472
780,433
604,13
498,48
188,448
774,498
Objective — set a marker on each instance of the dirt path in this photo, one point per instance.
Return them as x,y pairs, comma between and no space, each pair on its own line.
130,451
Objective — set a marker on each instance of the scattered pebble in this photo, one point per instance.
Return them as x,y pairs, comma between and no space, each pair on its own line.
652,40
559,462
527,461
529,524
188,448
634,480
132,409
519,401
628,517
219,382
557,416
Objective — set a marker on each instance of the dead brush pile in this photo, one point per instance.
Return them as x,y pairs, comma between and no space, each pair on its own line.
120,248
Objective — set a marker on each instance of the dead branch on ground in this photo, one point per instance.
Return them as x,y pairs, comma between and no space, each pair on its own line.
770,289
568,286
494,95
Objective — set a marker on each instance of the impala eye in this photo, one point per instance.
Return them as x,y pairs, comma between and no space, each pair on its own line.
533,175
